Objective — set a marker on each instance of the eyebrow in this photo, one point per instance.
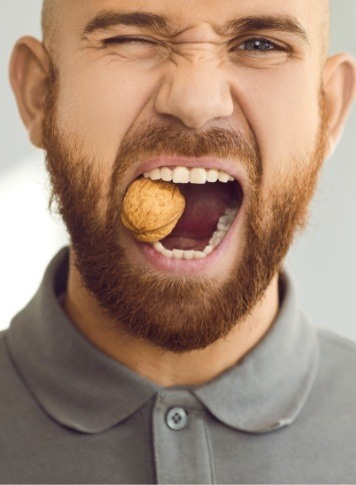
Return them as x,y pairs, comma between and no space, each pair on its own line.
107,18
281,23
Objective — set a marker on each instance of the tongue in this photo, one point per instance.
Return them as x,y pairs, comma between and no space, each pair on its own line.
204,206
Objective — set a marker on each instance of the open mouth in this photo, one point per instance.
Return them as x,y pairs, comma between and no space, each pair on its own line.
213,200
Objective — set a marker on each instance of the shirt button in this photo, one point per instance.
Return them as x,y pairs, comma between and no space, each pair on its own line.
177,418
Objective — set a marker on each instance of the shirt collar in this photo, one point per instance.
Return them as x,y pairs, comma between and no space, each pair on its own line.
269,387
82,388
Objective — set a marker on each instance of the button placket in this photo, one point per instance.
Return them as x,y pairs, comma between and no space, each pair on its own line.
181,442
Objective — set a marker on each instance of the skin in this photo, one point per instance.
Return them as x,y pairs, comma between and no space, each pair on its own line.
104,92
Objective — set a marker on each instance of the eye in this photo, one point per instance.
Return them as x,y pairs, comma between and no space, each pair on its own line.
135,48
259,45
130,41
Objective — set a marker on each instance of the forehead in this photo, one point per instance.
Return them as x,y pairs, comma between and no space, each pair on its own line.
185,14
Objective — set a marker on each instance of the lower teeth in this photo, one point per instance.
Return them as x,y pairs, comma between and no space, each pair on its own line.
224,224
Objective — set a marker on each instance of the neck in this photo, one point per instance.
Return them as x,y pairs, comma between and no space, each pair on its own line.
163,367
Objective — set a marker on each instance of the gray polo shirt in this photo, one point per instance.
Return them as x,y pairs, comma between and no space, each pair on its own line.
286,413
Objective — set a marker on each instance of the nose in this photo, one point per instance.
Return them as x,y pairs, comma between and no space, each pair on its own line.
195,91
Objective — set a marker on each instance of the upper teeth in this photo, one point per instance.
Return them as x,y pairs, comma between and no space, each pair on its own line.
184,175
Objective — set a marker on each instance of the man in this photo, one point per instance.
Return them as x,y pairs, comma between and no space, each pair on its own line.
183,360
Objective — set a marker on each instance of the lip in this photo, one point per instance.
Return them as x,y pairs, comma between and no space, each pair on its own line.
231,167
191,267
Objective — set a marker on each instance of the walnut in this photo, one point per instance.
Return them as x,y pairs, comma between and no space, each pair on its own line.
151,209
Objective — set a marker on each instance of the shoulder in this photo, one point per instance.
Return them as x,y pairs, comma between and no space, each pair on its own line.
14,395
10,384
338,349
336,381
4,356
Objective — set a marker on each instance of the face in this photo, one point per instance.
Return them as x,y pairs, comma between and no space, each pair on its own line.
195,87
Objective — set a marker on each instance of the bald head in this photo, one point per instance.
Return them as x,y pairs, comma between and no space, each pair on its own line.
324,27
47,20
47,17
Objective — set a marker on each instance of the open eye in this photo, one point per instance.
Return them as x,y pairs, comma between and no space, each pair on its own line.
259,45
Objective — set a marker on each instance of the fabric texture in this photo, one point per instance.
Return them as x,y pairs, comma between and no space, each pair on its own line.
285,413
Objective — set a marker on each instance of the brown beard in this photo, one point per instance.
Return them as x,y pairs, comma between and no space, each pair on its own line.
175,314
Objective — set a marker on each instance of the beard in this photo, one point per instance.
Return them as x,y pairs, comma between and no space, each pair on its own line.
178,314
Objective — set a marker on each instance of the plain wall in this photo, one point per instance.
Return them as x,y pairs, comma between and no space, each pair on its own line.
322,261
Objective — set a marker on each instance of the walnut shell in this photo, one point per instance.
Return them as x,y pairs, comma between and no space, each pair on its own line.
151,209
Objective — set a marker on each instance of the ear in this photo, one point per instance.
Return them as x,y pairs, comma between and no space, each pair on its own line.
29,67
339,80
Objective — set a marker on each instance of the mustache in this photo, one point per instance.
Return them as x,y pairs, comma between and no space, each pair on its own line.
157,139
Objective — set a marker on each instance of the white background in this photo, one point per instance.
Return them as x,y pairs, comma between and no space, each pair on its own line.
323,261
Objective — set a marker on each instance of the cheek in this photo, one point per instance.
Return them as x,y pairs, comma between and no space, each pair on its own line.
98,104
282,108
